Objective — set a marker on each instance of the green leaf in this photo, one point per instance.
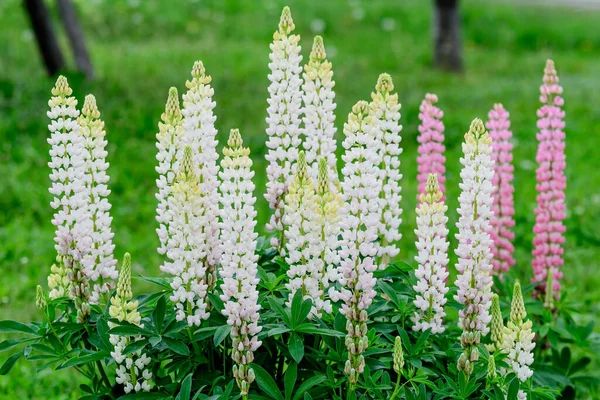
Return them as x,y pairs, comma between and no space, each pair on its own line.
296,347
279,309
8,326
317,330
158,315
203,333
278,331
163,282
266,383
101,355
297,309
176,346
129,330
309,383
145,396
10,362
289,380
513,389
10,343
186,388
135,346
220,334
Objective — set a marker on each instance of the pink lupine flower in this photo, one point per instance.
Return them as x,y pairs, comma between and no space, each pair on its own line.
551,182
431,157
503,206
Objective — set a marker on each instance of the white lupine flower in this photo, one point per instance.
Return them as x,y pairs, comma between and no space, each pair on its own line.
73,225
132,371
239,260
187,244
319,105
518,338
303,240
359,232
200,134
474,248
432,273
168,141
285,103
99,263
385,111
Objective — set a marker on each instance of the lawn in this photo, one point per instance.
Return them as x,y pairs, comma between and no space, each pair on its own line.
141,48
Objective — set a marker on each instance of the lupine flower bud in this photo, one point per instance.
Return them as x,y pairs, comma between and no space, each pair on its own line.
491,371
124,285
549,226
474,248
431,273
319,105
518,338
497,324
431,159
239,259
384,121
503,207
549,295
398,355
285,103
58,282
40,298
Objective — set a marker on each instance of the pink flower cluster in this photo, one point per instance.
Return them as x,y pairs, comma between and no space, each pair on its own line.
551,182
503,206
431,157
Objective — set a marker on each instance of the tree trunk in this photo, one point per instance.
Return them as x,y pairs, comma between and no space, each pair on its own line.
447,38
44,35
75,34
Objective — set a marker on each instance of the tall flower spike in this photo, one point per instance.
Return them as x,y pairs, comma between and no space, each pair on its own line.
518,338
99,263
200,134
384,116
431,159
549,228
239,261
40,298
283,119
398,355
187,245
302,240
168,141
132,369
359,224
497,325
503,207
432,245
71,199
474,248
319,105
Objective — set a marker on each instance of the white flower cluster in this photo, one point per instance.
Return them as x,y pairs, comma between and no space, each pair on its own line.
132,371
239,259
99,263
186,247
359,223
319,105
285,103
431,273
302,240
474,265
385,111
200,134
168,141
517,339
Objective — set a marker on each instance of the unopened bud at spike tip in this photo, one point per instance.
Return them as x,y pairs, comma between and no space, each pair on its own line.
491,372
384,83
549,295
124,284
497,323
361,107
90,109
286,24
318,50
61,88
323,177
198,70
235,139
302,168
40,298
517,308
398,355
172,109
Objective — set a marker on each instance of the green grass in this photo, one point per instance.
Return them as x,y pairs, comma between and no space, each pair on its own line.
141,48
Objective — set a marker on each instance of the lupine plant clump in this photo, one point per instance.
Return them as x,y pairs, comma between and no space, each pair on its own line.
322,307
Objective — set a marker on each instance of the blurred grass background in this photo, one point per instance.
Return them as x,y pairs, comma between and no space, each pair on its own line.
141,48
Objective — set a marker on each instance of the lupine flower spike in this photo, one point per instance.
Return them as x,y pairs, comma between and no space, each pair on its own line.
285,103
302,238
319,105
497,329
385,120
40,298
549,228
474,248
132,369
186,247
518,337
431,159
239,260
492,374
432,245
71,199
503,208
99,264
398,355
200,134
359,223
168,141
